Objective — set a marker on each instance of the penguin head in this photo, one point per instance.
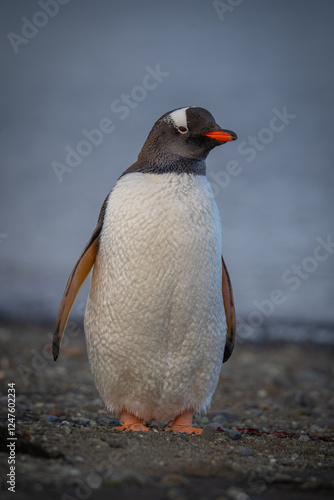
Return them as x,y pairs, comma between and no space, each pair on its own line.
186,134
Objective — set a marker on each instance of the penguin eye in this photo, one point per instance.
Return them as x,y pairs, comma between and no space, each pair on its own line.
183,130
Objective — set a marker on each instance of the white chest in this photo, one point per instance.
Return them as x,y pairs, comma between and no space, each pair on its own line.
152,213
155,310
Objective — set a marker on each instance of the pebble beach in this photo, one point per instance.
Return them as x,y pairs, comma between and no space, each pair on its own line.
268,434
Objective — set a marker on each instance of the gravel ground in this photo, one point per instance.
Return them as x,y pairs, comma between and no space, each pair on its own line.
268,434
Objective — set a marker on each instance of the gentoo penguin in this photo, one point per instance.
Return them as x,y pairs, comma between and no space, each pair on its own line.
160,316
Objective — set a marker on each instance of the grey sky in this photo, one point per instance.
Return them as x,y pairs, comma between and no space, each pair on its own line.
255,62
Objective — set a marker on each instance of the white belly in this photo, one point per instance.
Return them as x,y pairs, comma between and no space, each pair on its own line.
155,321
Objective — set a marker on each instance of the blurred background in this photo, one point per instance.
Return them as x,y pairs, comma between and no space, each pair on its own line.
263,69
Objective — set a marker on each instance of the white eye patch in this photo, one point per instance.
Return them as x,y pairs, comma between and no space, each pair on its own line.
179,117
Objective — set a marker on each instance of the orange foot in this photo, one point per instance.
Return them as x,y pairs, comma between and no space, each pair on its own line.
183,423
131,423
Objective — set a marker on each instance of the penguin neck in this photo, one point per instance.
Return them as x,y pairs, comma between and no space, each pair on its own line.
168,164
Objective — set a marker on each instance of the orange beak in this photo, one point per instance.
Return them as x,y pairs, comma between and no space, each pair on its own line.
222,135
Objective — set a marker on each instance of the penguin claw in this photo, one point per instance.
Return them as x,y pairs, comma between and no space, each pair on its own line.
183,423
132,427
131,423
184,428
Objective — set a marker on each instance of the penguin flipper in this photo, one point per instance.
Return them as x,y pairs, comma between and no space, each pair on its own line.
229,312
75,282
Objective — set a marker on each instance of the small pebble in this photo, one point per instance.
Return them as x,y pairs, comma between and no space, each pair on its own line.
99,443
117,443
285,461
216,426
303,439
223,416
81,421
109,421
208,432
232,434
56,412
204,420
53,419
